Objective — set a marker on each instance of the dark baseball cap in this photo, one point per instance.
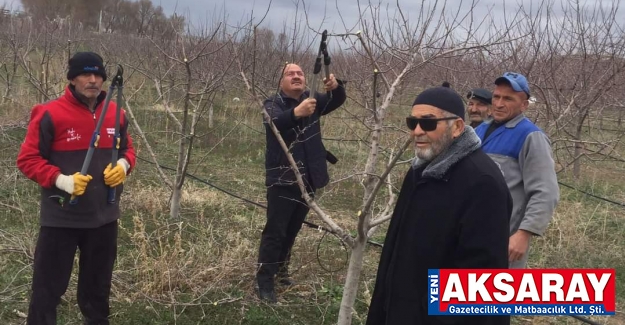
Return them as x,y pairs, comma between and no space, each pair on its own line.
481,94
517,81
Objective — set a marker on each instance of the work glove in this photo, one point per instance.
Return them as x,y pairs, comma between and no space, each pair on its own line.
116,175
75,184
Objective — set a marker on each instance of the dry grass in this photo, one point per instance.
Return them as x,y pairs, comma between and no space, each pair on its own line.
208,256
210,250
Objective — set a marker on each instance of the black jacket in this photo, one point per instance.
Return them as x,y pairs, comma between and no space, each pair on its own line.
452,213
302,136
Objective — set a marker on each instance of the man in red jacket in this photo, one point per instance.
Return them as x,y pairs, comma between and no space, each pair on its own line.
58,137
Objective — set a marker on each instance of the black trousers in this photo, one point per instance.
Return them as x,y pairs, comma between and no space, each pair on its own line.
286,211
54,259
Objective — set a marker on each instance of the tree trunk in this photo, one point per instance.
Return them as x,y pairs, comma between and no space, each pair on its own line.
254,62
578,150
10,78
174,209
350,290
210,116
174,205
7,92
184,148
601,120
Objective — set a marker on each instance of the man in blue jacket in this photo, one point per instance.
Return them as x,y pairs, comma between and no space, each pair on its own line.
523,152
296,113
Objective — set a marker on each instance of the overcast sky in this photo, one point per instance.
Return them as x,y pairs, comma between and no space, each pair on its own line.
281,10
322,14
326,14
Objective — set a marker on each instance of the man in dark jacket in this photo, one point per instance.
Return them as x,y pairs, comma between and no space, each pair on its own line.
58,137
452,212
296,113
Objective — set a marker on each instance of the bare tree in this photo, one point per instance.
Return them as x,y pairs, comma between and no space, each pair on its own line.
393,54
573,58
184,75
40,47
585,57
10,59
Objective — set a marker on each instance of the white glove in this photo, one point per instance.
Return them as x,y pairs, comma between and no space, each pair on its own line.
124,163
75,185
65,183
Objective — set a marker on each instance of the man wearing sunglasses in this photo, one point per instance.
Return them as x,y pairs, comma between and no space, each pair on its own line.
524,153
452,212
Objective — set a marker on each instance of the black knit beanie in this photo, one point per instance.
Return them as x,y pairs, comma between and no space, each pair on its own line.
86,62
442,97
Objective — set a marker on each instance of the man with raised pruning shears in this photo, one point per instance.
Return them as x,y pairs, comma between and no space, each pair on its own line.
71,150
296,112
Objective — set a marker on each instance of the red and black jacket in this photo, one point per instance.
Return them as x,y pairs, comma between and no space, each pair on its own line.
58,137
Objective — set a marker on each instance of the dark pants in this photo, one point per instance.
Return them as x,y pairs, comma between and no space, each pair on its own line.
54,259
286,211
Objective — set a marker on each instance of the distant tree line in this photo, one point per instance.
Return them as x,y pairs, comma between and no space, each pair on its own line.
140,17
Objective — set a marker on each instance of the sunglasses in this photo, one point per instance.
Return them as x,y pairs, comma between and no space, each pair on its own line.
427,124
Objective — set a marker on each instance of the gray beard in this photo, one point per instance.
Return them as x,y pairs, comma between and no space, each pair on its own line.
435,149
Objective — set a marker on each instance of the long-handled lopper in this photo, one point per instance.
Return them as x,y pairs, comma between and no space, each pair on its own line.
323,52
117,82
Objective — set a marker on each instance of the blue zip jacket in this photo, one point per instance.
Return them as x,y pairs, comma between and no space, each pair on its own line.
523,152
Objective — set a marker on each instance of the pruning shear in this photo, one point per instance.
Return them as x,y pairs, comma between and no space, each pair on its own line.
117,82
323,52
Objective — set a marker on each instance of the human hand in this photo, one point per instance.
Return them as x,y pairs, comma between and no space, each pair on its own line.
115,175
75,185
518,245
330,84
305,108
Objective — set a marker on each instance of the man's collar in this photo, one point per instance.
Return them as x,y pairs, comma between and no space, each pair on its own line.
510,124
283,96
81,100
77,96
460,147
514,121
